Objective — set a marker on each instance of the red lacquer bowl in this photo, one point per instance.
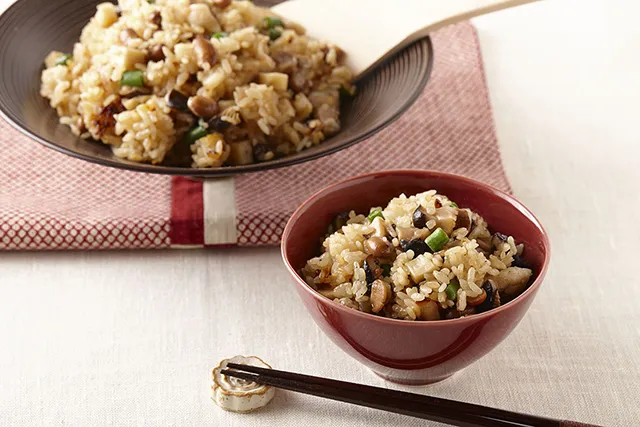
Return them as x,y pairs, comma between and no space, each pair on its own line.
398,350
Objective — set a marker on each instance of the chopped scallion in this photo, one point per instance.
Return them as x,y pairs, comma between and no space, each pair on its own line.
220,34
63,59
454,204
195,134
373,215
452,289
437,239
271,22
274,33
132,78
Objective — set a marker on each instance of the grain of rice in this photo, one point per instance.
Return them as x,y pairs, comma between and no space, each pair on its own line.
433,285
497,263
462,300
425,289
418,296
471,274
475,290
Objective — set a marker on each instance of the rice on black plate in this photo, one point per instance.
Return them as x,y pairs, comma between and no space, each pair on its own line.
228,80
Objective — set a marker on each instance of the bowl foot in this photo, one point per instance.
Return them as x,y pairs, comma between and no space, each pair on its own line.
412,382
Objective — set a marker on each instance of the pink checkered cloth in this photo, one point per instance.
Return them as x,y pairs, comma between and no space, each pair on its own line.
51,201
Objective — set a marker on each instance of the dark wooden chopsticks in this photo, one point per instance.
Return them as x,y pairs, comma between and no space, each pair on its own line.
415,405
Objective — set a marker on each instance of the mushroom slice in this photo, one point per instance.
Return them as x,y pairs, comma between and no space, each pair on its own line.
419,217
155,53
472,302
463,219
380,295
446,218
286,62
106,119
379,227
205,52
203,106
241,153
340,221
377,247
406,233
127,34
491,299
484,244
238,395
429,310
497,240
512,281
176,99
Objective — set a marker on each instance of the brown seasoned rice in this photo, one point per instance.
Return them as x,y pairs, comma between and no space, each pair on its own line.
277,90
392,263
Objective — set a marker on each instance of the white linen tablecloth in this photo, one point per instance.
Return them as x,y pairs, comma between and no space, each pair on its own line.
129,338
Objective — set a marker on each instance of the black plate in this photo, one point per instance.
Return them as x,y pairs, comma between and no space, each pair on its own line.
30,29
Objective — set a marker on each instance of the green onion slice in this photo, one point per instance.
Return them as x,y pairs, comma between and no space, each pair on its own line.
452,289
132,78
195,134
274,33
373,215
437,239
63,59
272,22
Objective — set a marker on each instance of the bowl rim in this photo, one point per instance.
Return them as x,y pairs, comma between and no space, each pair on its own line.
223,171
412,323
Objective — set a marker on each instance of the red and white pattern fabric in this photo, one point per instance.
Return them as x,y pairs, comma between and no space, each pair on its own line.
51,201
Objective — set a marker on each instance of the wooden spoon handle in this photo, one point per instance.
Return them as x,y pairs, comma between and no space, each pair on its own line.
567,423
442,13
372,30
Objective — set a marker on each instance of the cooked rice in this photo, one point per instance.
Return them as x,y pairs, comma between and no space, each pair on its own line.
481,269
277,90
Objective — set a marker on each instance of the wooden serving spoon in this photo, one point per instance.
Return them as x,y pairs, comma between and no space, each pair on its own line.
370,31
